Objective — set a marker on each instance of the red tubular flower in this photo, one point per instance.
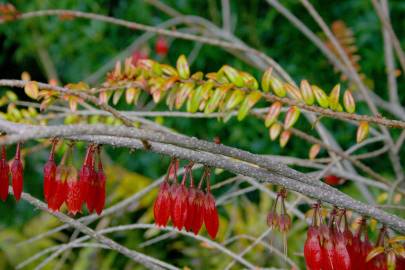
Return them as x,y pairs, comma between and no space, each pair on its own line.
195,211
73,197
192,194
61,189
210,212
49,173
198,216
180,205
100,188
400,262
86,177
211,218
327,257
312,249
341,257
162,206
17,173
92,191
4,171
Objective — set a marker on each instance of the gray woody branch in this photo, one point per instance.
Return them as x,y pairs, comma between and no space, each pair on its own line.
228,158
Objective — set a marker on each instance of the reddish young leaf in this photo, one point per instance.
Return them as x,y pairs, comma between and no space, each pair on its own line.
17,174
4,172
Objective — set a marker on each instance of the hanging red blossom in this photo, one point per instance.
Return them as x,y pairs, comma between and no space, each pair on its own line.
4,175
86,179
59,194
50,173
163,205
211,218
17,173
73,197
100,192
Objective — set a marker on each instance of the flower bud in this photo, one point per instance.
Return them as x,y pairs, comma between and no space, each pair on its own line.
313,152
31,89
277,86
234,99
348,102
233,76
248,103
274,131
284,138
182,67
291,117
216,98
266,79
307,93
249,80
334,98
293,91
362,131
320,96
273,113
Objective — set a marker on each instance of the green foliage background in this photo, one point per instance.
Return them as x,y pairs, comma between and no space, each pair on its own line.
80,47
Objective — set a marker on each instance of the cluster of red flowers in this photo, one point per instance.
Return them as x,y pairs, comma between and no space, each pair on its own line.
17,172
188,207
62,184
333,246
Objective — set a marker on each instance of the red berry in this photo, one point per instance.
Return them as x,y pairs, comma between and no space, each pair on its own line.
333,180
17,174
161,47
